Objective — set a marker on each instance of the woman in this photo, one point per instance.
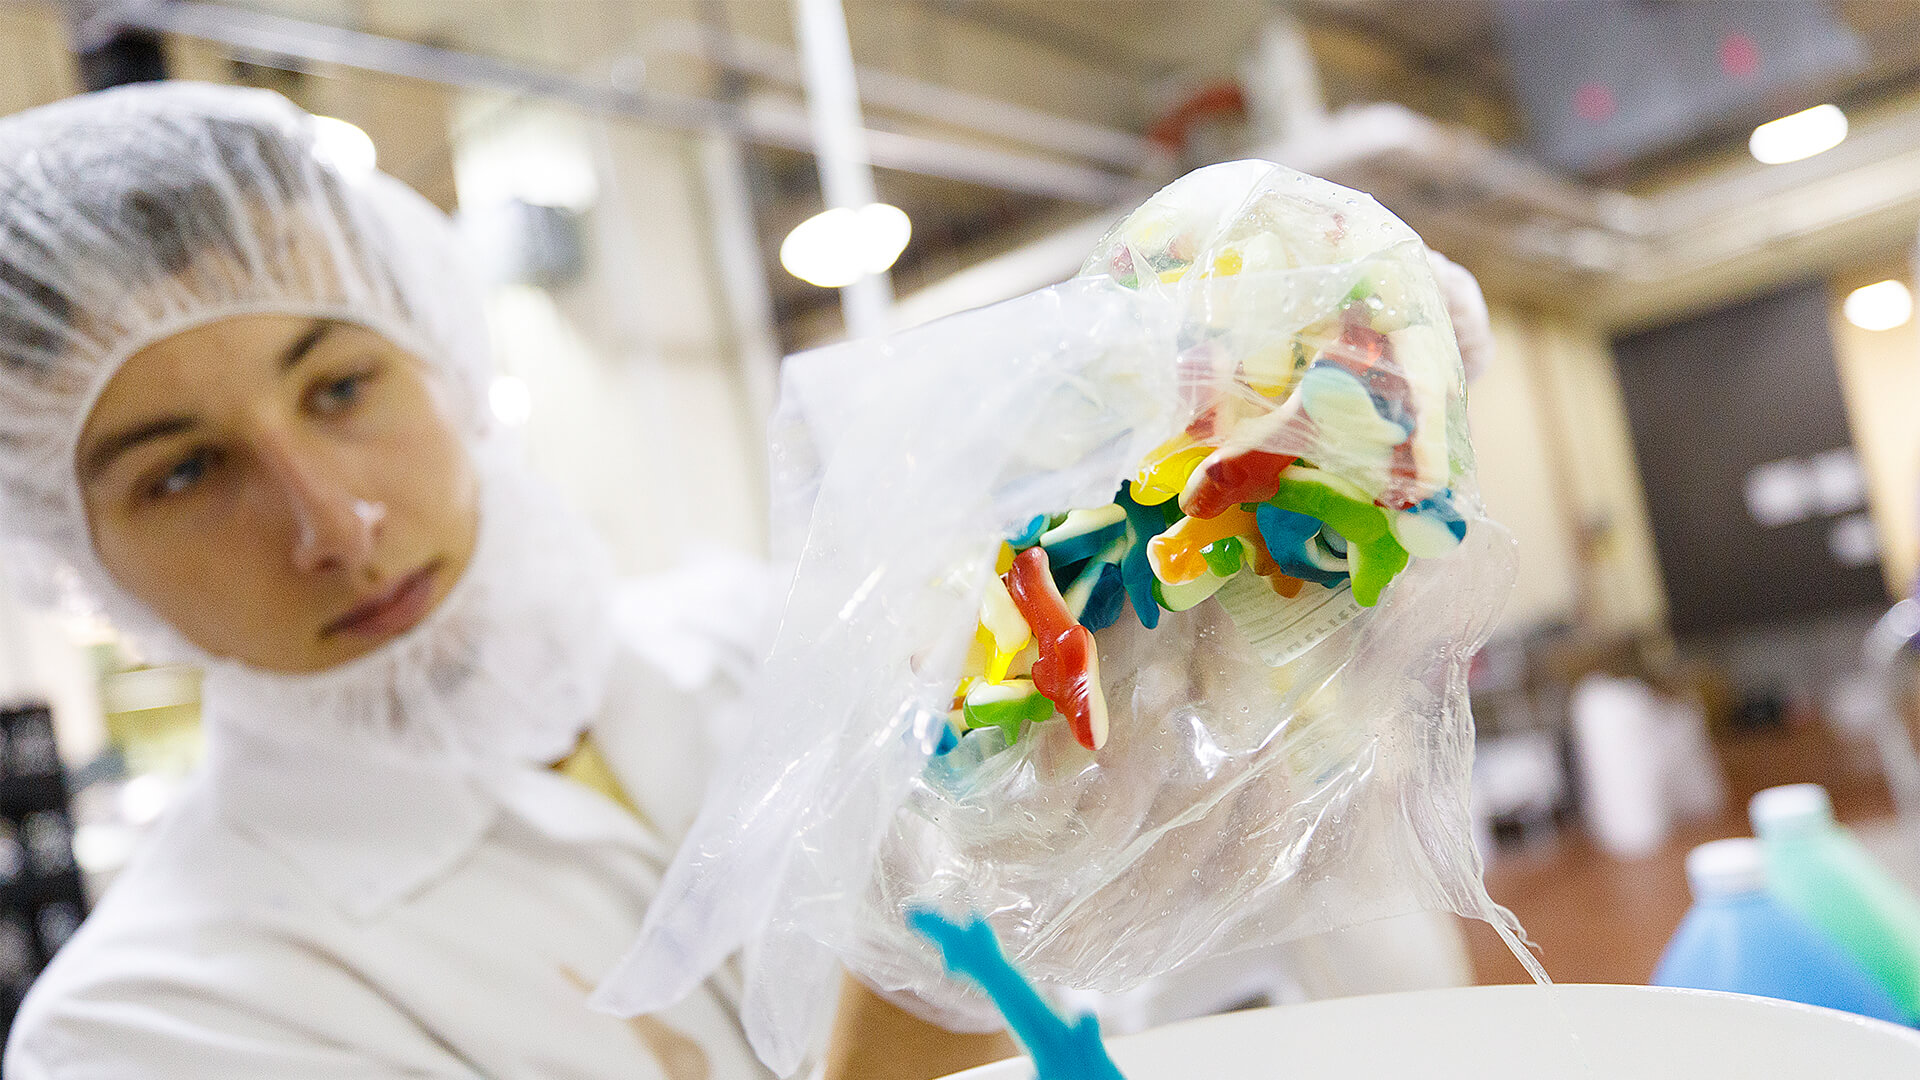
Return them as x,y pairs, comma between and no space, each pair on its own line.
241,405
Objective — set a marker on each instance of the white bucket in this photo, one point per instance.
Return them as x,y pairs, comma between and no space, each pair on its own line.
1517,1033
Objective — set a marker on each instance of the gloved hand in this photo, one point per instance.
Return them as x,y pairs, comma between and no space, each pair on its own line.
1068,856
1467,307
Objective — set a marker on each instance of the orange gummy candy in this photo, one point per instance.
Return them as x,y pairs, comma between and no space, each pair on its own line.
1175,554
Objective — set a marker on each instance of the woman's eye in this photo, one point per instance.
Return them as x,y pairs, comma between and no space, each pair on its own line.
182,477
339,395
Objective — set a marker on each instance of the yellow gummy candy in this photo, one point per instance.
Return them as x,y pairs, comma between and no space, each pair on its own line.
1022,665
1273,370
966,685
980,655
1005,629
1166,470
1000,618
979,652
998,665
1003,562
1228,263
1150,233
1263,253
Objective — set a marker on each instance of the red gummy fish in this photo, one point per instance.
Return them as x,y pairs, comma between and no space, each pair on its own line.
1067,671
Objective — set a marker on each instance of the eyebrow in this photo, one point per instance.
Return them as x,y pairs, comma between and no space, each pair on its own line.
108,450
298,351
104,454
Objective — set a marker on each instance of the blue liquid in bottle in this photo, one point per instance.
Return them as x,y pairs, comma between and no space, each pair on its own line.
1739,939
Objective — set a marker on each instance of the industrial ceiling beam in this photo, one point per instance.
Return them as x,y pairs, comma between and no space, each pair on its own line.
882,89
766,123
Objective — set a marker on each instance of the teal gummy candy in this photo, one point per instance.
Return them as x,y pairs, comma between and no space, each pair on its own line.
1431,527
1076,549
1030,535
1374,557
1288,534
1108,599
1092,590
1136,574
1060,1050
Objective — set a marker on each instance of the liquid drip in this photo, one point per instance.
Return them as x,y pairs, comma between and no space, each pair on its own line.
1508,927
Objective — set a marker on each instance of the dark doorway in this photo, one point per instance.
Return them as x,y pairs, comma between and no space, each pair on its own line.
1757,505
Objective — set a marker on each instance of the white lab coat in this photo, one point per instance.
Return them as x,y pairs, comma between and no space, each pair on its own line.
302,914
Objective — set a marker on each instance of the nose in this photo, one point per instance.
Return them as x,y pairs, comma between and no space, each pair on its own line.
334,529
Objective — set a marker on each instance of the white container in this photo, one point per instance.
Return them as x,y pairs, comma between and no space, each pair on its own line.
1616,747
1518,1033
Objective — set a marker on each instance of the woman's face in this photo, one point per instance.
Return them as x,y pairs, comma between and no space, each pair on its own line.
284,491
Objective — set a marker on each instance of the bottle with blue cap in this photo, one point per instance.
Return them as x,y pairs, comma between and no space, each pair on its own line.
1817,869
1739,939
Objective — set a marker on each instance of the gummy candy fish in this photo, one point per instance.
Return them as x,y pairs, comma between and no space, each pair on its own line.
1316,454
1373,555
1175,553
1060,1051
1067,670
1144,522
1008,706
1229,477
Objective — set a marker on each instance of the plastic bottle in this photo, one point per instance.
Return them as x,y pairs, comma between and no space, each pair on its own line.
1818,870
1741,940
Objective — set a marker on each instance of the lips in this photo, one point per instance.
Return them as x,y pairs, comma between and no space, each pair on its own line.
397,609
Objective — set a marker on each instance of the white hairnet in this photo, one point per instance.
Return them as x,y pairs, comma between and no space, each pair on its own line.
132,214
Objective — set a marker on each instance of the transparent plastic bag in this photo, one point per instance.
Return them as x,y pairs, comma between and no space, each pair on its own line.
1272,765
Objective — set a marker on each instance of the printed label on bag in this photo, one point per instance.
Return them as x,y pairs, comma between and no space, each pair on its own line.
1280,628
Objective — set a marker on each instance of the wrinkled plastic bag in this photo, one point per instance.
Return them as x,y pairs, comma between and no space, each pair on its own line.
1253,787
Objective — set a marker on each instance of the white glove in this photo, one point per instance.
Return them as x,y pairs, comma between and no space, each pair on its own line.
1467,307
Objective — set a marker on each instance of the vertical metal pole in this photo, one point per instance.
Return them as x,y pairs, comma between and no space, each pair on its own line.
840,139
749,302
1283,82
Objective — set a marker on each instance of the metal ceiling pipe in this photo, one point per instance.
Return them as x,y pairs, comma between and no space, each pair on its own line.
1458,160
744,287
1633,246
1632,257
839,139
765,123
1682,230
1570,223
1284,99
882,89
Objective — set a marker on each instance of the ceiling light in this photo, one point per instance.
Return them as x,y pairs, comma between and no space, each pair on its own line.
841,246
538,156
511,398
343,146
144,798
1801,135
1881,306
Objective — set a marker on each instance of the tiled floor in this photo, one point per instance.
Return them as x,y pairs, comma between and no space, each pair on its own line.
1596,918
